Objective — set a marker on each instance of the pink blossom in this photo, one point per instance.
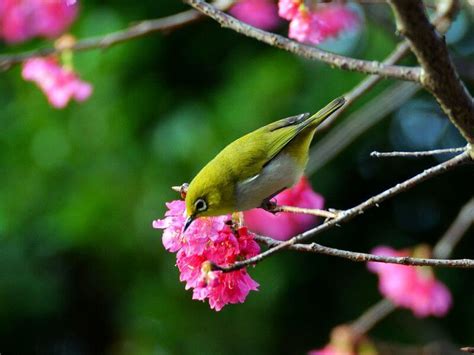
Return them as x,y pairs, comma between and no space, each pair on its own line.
301,26
209,241
327,350
284,225
344,342
23,19
288,9
58,83
258,13
327,21
411,287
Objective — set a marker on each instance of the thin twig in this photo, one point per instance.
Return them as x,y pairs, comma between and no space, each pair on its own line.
416,154
309,52
140,29
347,215
366,257
372,316
310,211
458,228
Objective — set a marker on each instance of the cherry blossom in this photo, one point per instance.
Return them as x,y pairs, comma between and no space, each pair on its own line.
415,288
58,83
21,20
284,225
209,241
258,13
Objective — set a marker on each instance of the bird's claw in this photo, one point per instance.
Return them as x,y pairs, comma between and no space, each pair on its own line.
269,205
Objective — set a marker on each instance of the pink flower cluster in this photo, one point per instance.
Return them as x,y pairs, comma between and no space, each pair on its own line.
258,13
329,350
283,226
315,26
24,19
208,241
58,83
411,287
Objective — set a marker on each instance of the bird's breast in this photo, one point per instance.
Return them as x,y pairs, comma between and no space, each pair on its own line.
280,173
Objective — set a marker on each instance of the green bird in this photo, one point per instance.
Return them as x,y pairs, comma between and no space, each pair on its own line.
252,169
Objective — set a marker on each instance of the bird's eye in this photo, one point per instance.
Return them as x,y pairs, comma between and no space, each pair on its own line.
200,205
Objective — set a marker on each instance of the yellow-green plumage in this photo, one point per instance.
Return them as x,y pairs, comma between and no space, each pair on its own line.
255,166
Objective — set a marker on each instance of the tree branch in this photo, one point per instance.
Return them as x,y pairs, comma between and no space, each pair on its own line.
372,316
310,211
138,30
347,215
309,52
458,228
366,257
439,76
416,154
445,13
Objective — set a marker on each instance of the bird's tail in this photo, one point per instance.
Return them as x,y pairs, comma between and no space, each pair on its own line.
316,119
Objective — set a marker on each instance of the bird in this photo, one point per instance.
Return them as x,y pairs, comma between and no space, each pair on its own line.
251,170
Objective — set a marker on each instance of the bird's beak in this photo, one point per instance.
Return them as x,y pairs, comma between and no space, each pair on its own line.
188,222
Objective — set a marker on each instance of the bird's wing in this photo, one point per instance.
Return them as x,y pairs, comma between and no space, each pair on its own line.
282,132
254,157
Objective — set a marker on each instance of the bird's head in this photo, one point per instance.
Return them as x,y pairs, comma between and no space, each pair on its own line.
203,199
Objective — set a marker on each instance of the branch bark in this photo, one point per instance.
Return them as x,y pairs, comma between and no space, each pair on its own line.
366,257
347,215
445,13
309,52
425,153
138,30
439,76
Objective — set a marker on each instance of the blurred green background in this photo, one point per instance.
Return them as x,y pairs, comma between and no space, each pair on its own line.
83,272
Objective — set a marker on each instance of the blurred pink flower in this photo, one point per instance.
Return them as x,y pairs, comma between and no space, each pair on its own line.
301,26
285,225
288,9
258,13
23,19
208,241
59,84
327,21
345,342
411,287
327,350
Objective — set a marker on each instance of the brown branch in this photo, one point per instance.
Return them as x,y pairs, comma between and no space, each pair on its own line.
372,316
444,16
458,228
311,211
439,75
425,153
309,52
138,30
345,216
366,257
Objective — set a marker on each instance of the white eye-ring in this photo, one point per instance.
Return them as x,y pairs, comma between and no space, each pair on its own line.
200,205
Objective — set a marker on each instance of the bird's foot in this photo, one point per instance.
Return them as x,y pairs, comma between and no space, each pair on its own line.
269,205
